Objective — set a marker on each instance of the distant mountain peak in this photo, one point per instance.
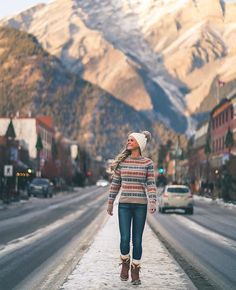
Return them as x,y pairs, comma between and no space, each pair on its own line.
158,56
35,81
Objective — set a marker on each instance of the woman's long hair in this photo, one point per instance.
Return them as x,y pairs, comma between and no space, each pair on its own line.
119,158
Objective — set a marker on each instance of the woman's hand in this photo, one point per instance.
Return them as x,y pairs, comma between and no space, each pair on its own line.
110,209
152,208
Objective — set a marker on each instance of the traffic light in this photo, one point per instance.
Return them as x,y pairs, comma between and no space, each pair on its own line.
161,170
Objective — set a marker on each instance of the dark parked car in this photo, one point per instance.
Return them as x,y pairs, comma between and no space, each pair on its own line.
41,187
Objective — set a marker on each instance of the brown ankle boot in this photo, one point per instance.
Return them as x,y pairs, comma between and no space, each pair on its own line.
135,274
124,274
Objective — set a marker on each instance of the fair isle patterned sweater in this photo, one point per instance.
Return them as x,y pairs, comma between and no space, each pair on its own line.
135,178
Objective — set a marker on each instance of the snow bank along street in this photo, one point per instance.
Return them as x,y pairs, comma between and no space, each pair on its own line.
99,267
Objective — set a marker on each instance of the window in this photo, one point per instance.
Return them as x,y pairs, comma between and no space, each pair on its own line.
40,181
178,190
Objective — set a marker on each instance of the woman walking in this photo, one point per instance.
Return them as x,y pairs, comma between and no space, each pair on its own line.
134,175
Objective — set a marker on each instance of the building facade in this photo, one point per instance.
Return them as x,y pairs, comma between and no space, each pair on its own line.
28,129
198,158
223,119
213,150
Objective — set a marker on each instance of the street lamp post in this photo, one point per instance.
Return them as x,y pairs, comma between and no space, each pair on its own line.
207,151
177,154
39,148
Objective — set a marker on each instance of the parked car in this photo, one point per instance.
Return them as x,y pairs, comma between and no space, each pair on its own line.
102,182
41,187
176,197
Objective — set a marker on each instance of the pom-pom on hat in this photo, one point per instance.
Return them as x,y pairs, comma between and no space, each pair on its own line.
142,139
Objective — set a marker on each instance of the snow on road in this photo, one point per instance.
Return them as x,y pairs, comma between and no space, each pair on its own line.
47,207
206,232
218,201
99,267
45,231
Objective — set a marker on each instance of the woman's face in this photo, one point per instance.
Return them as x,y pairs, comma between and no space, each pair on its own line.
132,144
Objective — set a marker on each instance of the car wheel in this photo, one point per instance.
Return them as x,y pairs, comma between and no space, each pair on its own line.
163,210
189,211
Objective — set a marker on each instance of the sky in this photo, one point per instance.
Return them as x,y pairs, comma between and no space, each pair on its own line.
11,7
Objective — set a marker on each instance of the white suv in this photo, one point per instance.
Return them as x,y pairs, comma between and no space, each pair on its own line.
176,197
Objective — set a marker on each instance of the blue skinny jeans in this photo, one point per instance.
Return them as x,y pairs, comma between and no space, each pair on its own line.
135,214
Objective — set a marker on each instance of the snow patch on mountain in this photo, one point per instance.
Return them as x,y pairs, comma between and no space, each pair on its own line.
122,23
167,52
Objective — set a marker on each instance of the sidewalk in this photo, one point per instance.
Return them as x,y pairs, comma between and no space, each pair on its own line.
99,267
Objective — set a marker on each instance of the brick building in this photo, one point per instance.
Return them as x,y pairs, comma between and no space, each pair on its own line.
223,118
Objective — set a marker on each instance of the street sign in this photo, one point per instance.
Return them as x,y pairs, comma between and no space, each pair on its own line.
8,170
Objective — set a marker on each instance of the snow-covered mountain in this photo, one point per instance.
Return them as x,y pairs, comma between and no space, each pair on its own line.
159,56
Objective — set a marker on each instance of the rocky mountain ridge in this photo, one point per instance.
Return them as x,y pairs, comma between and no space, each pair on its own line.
160,57
34,81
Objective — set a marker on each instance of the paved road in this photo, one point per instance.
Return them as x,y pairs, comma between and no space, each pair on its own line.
41,240
207,240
